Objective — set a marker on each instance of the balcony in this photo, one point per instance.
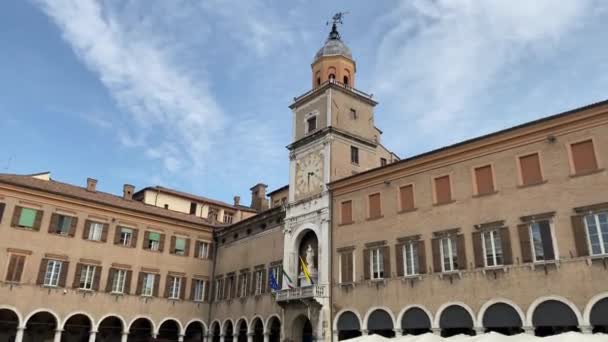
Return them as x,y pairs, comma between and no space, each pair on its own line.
302,293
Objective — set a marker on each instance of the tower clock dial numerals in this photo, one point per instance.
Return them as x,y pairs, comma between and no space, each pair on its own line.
309,174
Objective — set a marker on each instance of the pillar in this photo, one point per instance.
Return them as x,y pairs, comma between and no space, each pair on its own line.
436,331
586,329
125,336
398,332
479,330
529,330
19,335
336,337
364,332
221,337
57,337
266,336
180,338
250,337
92,335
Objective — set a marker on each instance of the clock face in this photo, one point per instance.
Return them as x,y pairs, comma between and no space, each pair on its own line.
309,174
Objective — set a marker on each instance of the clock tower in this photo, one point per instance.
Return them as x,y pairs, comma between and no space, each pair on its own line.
333,136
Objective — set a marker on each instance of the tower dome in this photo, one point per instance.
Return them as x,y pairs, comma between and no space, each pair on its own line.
334,61
334,46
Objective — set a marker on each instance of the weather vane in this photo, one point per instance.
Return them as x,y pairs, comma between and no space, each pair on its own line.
337,18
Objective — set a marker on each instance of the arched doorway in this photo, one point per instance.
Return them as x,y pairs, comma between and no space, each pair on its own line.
40,327
274,329
257,330
109,330
380,323
455,320
553,317
302,329
168,331
599,316
140,330
228,331
502,318
215,332
415,321
9,321
348,326
76,329
241,328
195,332
309,239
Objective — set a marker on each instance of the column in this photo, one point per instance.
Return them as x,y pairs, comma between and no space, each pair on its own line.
250,337
528,330
180,338
364,332
398,332
57,337
436,331
335,337
19,335
586,329
92,335
206,337
479,330
221,337
266,337
125,336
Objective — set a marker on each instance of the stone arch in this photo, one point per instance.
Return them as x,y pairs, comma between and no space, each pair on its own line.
241,329
215,331
74,313
256,328
273,328
166,331
16,311
122,321
302,329
53,313
419,328
228,330
565,316
307,234
35,333
191,335
381,321
137,328
347,318
587,312
10,322
111,332
77,327
511,325
451,318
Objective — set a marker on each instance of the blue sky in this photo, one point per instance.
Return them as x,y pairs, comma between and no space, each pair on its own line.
194,94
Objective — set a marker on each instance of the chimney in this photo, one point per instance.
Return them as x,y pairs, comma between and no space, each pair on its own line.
258,197
91,184
237,201
127,191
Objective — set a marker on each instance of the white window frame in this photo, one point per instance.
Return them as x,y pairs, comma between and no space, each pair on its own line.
494,235
411,264
218,287
95,231
376,273
452,253
126,237
175,287
59,230
200,287
118,282
598,228
154,245
148,285
243,285
87,277
228,217
259,281
553,241
203,250
52,273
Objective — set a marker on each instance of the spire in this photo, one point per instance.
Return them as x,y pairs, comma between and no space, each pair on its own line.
336,19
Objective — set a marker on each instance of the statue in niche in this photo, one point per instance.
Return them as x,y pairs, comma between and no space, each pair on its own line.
310,258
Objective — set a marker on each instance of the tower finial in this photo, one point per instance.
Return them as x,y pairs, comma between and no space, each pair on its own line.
335,20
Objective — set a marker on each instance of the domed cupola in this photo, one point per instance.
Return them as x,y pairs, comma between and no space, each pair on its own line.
334,61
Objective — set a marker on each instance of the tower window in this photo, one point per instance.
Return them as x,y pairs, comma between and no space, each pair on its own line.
332,77
353,114
318,80
354,155
346,80
311,124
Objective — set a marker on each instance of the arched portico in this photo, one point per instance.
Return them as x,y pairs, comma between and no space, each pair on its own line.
380,321
195,331
228,330
454,319
10,322
241,330
41,325
347,324
415,320
110,328
77,327
553,315
141,329
215,331
257,329
169,329
273,328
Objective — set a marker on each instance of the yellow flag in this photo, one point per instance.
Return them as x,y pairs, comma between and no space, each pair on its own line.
305,270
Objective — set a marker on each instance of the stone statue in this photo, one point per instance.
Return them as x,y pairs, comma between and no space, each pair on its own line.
310,258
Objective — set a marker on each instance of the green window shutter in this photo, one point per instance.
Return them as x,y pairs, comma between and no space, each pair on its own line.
27,218
154,236
180,243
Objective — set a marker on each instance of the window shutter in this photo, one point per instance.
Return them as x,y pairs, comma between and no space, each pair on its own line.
97,278
117,235
375,206
583,157
12,265
207,290
87,228
146,240
524,242
366,261
161,243
530,169
182,290
104,232
42,271
38,220
54,223
406,195
156,285
386,256
19,268
187,249
111,275
140,283
461,251
443,191
421,256
134,238
347,267
580,235
226,292
235,285
252,283
128,277
505,239
436,255
64,273
264,282
172,247
192,288
2,207
76,282
16,215
478,249
347,212
545,232
399,259
73,225
484,180
167,285
197,246
210,251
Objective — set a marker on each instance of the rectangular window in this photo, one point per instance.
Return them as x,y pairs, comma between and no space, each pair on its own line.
353,114
259,281
583,157
375,206
243,285
443,190
27,218
175,284
377,263
95,230
192,208
87,275
153,241
406,196
597,233
484,179
382,161
354,155
311,123
200,287
228,217
347,212
53,270
530,169
410,258
203,250
219,289
64,223
449,254
147,288
15,268
180,246
346,267
118,282
492,248
126,236
277,273
542,241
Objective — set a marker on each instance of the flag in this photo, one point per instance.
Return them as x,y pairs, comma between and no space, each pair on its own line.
289,282
305,270
274,285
